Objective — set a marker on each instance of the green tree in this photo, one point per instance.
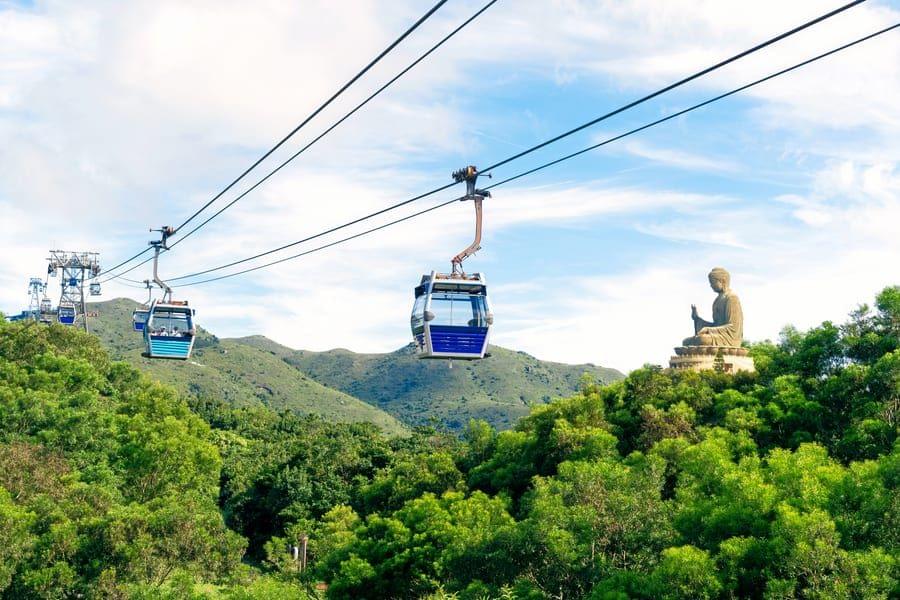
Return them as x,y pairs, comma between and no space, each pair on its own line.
687,573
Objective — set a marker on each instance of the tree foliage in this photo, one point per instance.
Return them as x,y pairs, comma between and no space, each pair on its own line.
778,484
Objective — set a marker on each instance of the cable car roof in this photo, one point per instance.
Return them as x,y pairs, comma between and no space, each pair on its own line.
441,282
174,305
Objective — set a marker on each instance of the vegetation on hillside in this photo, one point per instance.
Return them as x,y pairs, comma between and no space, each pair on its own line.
108,482
238,374
499,390
340,385
779,484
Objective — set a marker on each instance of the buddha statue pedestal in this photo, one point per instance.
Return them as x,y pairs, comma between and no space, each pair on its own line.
701,358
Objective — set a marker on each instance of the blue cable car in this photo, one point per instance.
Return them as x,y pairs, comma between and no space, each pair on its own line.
139,315
139,318
65,313
169,330
169,327
451,317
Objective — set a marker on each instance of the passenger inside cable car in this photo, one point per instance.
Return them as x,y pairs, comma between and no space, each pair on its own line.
169,331
171,324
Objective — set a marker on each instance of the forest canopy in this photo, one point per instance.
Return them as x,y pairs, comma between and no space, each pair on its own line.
777,484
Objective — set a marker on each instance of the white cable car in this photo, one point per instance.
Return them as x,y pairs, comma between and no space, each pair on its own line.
46,306
169,329
46,310
95,288
65,313
451,316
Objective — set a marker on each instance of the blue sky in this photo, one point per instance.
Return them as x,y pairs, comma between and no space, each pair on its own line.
115,117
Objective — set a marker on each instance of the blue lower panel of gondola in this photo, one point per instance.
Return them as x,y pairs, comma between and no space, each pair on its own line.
169,347
457,340
67,320
138,326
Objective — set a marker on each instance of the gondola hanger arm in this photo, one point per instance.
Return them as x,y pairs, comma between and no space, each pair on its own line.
470,176
158,245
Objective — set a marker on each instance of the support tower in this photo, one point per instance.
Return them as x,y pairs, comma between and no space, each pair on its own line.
74,268
36,289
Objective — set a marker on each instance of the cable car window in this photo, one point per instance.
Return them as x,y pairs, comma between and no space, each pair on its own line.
418,313
170,323
458,308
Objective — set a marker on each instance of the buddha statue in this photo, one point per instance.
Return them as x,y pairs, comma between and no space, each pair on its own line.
716,344
727,327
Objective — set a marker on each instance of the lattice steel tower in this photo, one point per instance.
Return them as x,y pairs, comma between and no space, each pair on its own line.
75,267
36,289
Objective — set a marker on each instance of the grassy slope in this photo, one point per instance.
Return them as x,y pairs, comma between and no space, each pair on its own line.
499,389
240,374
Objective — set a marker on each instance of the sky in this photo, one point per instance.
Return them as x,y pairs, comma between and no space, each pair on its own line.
116,117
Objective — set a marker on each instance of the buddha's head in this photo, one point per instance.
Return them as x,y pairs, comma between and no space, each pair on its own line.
719,280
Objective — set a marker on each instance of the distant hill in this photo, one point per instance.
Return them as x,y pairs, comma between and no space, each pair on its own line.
499,389
236,373
346,386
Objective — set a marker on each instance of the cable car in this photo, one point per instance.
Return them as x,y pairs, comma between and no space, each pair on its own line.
451,317
65,313
169,330
46,310
95,289
139,318
139,315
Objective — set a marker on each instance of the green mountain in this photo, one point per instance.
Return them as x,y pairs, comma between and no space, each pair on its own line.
236,373
499,390
346,386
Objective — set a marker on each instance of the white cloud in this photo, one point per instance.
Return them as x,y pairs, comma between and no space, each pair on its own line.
679,159
114,115
785,274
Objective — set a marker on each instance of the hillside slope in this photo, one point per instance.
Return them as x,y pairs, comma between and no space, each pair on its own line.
239,374
345,386
500,389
